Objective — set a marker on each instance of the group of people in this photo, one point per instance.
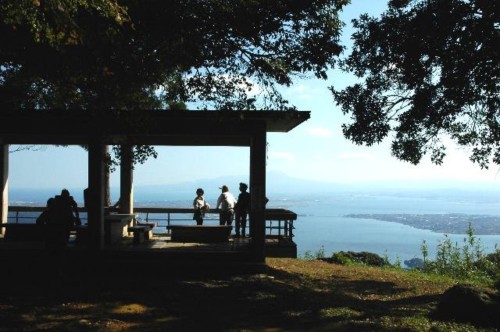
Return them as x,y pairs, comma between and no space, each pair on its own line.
229,208
58,218
61,213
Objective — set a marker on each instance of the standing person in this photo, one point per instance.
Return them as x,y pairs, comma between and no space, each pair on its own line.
241,209
226,202
200,206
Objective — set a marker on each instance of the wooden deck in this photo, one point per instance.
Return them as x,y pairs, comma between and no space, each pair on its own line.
278,241
161,246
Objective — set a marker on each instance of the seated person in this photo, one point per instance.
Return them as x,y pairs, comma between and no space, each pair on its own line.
44,217
63,216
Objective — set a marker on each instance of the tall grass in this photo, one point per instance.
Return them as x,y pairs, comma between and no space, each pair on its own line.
465,261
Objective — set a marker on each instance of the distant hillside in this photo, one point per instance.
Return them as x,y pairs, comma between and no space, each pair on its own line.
278,183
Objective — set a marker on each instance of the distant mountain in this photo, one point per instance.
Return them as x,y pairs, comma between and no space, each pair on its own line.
279,184
276,182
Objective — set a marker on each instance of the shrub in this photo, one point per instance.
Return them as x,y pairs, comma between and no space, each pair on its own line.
466,261
350,257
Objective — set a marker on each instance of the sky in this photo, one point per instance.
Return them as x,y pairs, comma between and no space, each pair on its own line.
315,150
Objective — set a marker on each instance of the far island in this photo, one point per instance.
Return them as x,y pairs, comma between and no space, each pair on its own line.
452,223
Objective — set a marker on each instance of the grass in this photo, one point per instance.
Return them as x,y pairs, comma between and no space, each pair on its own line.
282,295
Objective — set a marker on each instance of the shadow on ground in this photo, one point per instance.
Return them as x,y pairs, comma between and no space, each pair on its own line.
54,294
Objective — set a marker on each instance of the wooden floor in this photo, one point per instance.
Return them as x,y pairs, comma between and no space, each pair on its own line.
161,245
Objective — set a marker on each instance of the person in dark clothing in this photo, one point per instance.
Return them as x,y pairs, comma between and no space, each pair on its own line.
242,208
44,217
63,216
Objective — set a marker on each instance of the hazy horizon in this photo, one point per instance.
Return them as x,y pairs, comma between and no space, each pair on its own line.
277,184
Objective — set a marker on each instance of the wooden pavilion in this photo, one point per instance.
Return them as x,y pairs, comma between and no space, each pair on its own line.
146,127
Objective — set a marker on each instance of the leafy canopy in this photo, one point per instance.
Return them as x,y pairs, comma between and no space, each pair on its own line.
428,70
129,54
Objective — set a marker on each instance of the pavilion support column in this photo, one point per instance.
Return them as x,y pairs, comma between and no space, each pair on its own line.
127,180
97,157
258,192
4,184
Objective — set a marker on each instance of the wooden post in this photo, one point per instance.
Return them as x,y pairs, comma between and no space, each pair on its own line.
4,184
97,155
258,192
126,180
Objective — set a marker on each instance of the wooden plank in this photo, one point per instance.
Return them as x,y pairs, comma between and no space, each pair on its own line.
23,232
200,233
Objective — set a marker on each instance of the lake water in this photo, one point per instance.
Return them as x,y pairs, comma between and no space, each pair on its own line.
322,224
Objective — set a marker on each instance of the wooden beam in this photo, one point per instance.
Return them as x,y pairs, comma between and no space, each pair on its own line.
126,180
4,184
96,168
147,127
258,191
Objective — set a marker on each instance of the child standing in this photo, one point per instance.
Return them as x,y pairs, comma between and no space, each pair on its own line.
200,206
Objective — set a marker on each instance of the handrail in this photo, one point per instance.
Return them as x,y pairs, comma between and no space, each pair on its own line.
278,221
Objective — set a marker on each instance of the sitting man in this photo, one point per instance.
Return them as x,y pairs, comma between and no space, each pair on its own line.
63,216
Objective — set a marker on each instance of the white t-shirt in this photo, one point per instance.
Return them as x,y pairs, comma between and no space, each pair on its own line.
226,201
199,202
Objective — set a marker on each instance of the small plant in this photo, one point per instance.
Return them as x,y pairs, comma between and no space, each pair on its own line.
310,256
320,253
425,251
463,262
397,263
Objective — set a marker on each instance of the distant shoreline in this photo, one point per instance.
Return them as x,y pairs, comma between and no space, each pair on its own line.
450,223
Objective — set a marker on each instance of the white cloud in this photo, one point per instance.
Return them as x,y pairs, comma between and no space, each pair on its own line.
281,155
320,132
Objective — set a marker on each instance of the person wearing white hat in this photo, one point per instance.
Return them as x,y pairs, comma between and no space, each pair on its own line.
226,202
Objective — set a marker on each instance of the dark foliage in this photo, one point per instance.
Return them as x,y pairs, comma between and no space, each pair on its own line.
347,257
124,54
428,70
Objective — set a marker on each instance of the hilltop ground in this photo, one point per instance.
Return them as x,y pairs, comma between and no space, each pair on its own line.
282,295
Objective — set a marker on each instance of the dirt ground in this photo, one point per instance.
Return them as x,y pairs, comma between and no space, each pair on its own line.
281,295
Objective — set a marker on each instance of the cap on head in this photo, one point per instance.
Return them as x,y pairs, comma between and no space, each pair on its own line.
243,185
224,188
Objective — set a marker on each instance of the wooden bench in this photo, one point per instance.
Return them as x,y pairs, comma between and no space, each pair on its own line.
23,232
199,233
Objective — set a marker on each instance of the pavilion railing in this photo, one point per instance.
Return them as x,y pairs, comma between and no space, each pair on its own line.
279,222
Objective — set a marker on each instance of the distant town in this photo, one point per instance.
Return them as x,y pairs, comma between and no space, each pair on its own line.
454,223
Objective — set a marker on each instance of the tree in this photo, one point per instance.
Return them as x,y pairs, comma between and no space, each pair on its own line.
125,55
428,69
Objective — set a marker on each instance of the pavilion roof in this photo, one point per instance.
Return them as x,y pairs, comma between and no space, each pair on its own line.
151,127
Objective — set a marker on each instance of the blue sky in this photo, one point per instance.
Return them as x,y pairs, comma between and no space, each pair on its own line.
315,150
